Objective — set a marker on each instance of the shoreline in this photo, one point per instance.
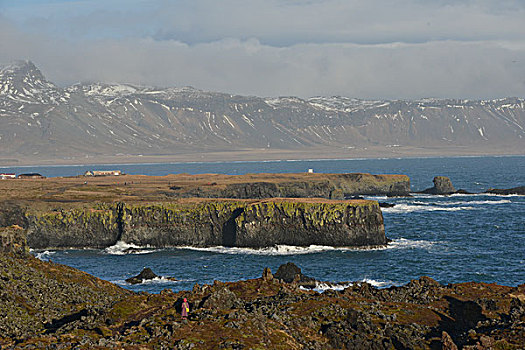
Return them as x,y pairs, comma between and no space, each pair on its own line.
258,155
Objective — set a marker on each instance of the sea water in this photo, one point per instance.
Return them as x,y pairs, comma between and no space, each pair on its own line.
455,238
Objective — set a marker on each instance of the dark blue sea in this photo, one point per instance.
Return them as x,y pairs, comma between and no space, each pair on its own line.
452,239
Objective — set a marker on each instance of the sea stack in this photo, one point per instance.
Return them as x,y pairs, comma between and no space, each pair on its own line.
442,186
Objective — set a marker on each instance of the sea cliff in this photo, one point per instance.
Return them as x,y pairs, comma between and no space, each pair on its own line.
201,223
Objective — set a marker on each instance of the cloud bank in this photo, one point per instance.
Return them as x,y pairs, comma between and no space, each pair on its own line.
373,49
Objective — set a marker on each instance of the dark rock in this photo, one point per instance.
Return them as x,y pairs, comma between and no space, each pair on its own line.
516,190
145,275
291,273
442,186
221,299
461,191
386,205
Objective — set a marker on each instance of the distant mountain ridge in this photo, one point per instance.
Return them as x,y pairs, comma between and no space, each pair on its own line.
39,119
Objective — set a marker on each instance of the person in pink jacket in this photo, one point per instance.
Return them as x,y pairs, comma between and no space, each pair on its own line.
185,309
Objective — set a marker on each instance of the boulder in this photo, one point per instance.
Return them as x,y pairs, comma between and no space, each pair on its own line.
290,272
146,275
442,185
221,299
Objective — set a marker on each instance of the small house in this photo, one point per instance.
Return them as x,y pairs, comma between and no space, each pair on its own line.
107,172
5,176
31,176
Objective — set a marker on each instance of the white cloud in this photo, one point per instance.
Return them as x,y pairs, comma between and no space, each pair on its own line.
373,49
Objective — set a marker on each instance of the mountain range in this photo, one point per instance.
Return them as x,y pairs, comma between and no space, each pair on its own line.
42,122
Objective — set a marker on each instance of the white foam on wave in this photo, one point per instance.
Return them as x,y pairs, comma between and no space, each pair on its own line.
502,201
399,243
410,208
378,284
274,250
403,243
123,248
321,287
45,255
156,280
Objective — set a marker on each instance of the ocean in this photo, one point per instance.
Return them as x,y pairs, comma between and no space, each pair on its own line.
457,238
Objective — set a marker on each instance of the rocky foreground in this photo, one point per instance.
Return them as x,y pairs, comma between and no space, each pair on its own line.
46,305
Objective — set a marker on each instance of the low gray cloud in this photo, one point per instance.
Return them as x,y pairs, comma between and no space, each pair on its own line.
374,49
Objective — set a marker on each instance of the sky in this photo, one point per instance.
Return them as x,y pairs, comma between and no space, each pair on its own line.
373,49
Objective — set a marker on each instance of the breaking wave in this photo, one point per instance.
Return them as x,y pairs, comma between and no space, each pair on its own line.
274,250
45,255
410,208
403,243
123,248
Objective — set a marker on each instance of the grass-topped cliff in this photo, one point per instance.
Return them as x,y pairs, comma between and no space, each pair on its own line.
207,222
46,305
253,210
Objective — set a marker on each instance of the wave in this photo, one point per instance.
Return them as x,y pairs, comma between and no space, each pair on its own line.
274,250
399,243
156,280
403,243
378,284
410,208
501,201
44,256
123,248
321,287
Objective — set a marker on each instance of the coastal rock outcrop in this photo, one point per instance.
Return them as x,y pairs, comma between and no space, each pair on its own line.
202,223
330,186
442,186
146,275
95,227
47,306
520,190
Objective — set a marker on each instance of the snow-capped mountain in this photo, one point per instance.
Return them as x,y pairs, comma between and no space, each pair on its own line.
39,119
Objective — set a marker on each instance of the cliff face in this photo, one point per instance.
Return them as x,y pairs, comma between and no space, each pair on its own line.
90,227
304,223
331,186
210,223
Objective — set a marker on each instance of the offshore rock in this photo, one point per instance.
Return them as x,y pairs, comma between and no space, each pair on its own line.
146,275
442,186
516,190
202,223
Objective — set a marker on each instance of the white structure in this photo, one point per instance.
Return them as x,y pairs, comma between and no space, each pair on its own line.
5,176
103,173
310,171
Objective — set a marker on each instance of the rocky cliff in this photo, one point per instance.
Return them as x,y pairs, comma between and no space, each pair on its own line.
203,223
332,186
